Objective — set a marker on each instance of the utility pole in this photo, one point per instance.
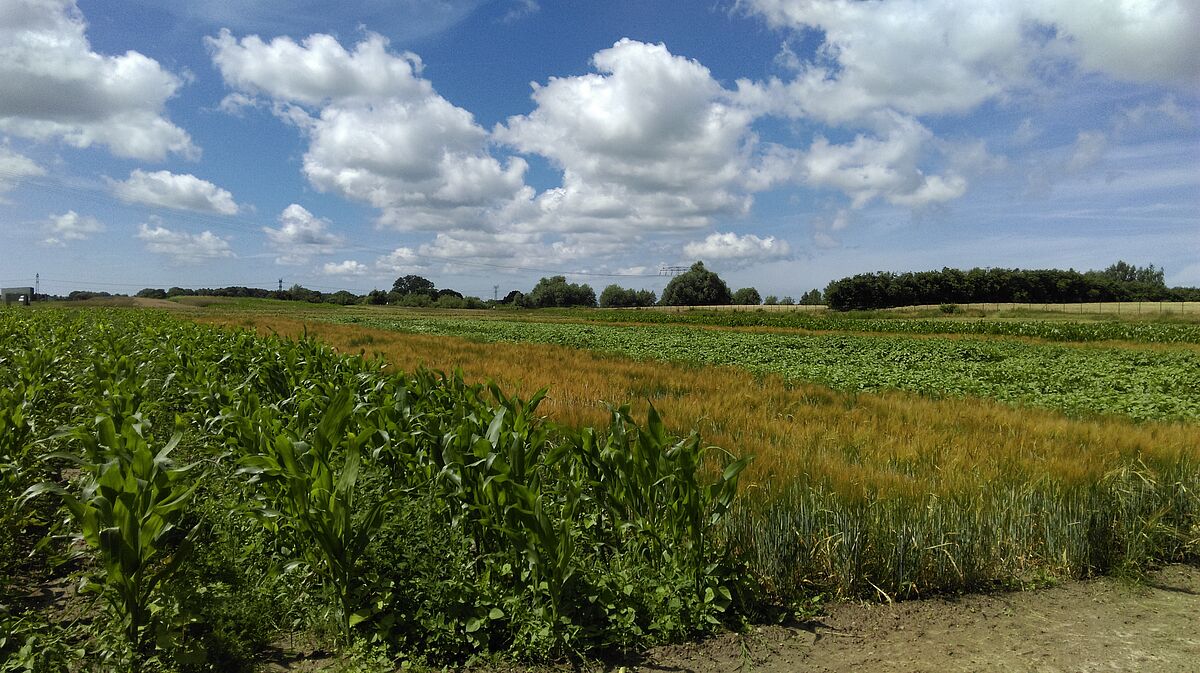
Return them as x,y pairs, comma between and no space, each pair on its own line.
37,285
671,271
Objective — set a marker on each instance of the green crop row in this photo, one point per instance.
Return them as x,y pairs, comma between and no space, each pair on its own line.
196,468
1050,330
1138,383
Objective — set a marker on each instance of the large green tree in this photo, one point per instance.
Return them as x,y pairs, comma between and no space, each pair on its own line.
696,287
747,296
412,284
556,291
615,296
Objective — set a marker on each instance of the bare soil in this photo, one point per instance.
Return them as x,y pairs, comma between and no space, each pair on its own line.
1098,625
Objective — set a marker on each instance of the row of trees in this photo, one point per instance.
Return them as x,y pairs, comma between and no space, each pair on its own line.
1119,282
698,286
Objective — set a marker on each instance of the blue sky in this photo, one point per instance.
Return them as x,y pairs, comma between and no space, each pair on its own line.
784,142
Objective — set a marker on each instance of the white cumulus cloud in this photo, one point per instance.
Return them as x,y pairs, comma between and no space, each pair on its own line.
737,249
348,267
177,191
378,133
401,261
944,56
70,226
650,142
180,245
301,236
15,167
885,166
54,86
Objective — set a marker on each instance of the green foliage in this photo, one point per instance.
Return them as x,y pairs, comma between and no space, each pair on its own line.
29,645
1119,282
1050,330
615,296
127,510
747,296
1123,272
696,287
415,511
306,491
413,284
556,291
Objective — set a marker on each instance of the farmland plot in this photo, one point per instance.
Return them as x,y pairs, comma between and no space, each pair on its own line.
1142,384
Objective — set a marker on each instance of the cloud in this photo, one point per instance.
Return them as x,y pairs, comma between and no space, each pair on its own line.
1087,151
181,246
738,250
404,20
918,57
884,167
648,143
1144,114
1026,132
300,236
172,190
53,86
943,56
318,69
15,167
378,133
70,226
347,268
400,261
1153,41
519,9
825,241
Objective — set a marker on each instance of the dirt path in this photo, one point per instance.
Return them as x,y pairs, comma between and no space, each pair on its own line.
1099,625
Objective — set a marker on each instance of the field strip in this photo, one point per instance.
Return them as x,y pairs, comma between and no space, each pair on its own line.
1143,385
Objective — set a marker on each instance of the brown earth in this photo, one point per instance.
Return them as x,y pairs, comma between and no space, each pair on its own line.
1097,625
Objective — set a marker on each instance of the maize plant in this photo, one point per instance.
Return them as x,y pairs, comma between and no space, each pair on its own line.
131,501
649,492
307,491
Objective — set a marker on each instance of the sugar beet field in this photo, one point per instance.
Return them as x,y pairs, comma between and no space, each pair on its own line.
202,489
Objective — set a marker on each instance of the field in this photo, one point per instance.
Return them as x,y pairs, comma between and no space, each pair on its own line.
1136,382
889,460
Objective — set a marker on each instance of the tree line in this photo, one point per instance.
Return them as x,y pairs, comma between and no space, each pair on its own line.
1120,282
698,286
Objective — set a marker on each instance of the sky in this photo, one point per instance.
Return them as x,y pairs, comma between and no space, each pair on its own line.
486,144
